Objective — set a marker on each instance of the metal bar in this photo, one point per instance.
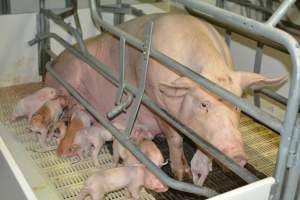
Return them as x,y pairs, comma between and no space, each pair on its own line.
252,6
251,110
122,71
266,31
294,172
120,108
118,17
228,37
186,187
76,17
58,20
108,74
50,53
143,76
280,12
257,69
42,28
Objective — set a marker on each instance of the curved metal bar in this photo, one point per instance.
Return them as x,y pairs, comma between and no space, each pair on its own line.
109,75
186,187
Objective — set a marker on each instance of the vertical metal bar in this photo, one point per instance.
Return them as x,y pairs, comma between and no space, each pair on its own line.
280,12
228,37
122,71
118,17
269,6
5,7
220,3
257,69
76,17
294,171
143,76
43,28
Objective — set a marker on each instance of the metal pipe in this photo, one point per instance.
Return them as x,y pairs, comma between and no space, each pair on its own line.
257,69
108,74
280,12
56,19
292,46
185,187
251,110
294,172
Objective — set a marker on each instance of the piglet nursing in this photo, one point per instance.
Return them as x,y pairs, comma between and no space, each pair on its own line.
32,103
131,177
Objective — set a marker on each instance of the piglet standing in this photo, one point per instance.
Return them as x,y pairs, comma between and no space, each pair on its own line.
45,117
32,103
131,177
95,136
79,119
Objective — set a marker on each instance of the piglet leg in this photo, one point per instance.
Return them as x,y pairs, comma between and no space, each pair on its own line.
97,148
201,165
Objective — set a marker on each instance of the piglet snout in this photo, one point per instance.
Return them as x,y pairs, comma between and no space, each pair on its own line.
240,160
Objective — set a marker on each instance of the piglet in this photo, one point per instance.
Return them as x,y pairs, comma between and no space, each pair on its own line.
79,119
32,103
131,177
147,147
45,117
201,165
95,136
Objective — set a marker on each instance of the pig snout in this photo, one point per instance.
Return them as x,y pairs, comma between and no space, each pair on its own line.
238,156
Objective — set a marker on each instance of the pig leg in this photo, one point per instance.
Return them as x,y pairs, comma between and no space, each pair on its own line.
134,191
83,193
179,164
201,165
116,156
97,148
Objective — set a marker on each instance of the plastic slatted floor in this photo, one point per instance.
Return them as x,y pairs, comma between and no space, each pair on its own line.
67,175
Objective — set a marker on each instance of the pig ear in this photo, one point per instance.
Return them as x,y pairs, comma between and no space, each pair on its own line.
177,88
256,81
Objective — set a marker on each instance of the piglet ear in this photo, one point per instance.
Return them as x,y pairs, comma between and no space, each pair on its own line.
256,81
177,88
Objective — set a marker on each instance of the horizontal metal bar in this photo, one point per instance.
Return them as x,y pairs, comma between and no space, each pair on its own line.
251,110
56,19
280,12
186,187
108,74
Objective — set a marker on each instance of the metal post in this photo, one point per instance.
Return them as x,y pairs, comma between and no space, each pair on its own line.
228,37
257,69
118,17
43,28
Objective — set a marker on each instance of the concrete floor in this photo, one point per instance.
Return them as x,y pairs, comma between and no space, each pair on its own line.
9,187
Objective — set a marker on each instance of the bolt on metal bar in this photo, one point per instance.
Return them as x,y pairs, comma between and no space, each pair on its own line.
294,172
121,107
280,12
292,46
143,77
198,140
56,19
257,69
251,110
186,187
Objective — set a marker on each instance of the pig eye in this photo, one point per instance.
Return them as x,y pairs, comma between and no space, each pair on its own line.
203,105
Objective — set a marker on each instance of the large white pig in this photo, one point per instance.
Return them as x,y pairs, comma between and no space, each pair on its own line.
191,42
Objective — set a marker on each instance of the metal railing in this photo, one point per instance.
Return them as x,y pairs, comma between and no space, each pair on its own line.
262,30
